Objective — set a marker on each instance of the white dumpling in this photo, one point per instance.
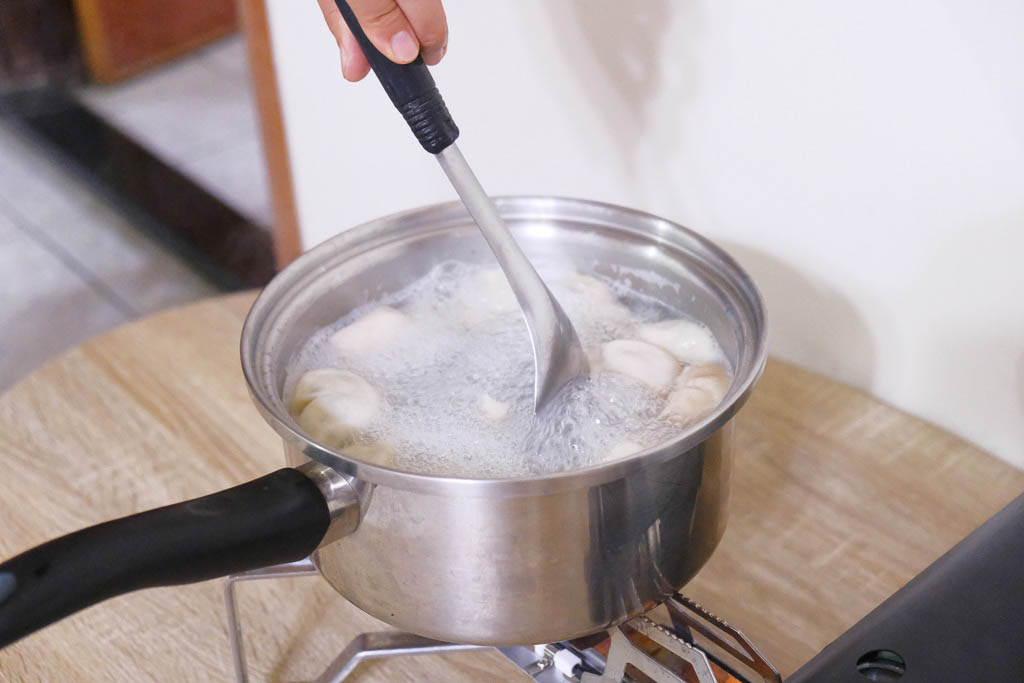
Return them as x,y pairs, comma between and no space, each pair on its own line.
687,341
376,453
484,295
325,382
639,360
492,408
375,330
622,449
698,391
588,287
598,298
491,285
334,406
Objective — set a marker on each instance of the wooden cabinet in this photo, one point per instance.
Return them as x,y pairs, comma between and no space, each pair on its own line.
122,38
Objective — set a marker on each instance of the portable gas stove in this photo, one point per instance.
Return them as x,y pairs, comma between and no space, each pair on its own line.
676,642
962,620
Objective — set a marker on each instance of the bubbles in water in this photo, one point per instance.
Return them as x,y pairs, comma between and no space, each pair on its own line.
466,341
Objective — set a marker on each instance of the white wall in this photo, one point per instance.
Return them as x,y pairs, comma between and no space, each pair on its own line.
865,162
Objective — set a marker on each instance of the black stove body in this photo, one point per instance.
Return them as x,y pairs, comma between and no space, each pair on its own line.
960,620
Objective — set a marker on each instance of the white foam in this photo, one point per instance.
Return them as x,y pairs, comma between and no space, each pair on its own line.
455,349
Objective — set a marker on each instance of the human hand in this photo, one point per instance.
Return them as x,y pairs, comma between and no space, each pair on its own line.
400,29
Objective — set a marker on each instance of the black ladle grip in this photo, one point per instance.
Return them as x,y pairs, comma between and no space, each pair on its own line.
281,517
411,89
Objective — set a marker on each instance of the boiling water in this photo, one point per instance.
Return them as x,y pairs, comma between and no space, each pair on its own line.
456,377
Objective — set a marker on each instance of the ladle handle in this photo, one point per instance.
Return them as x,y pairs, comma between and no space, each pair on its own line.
411,89
281,517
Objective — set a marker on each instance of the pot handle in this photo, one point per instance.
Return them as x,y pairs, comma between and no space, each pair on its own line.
411,89
281,517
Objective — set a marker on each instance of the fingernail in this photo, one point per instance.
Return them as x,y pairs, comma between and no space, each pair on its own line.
344,60
404,47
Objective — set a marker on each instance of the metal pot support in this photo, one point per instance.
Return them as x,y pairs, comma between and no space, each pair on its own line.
692,646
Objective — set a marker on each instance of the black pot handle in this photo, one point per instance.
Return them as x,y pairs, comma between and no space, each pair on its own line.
411,89
281,517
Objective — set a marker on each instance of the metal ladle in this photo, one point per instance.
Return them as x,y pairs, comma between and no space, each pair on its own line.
557,355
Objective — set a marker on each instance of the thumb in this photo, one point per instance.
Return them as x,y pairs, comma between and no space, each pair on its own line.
387,28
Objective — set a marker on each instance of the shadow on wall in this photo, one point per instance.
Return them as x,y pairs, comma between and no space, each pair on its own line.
615,48
1020,393
809,323
968,376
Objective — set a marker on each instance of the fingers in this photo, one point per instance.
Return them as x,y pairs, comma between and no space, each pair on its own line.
430,25
387,27
333,18
400,29
353,64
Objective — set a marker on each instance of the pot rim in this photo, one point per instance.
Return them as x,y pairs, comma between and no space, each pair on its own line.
388,229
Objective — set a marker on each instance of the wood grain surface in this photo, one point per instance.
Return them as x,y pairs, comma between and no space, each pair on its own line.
838,500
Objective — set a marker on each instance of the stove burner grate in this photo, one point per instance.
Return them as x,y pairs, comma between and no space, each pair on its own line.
677,642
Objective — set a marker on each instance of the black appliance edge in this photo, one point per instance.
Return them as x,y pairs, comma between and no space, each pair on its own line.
961,619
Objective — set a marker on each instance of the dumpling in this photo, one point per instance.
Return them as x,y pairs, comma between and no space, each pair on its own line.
698,391
334,406
687,341
376,453
588,286
639,360
379,327
597,298
325,382
492,408
484,295
622,449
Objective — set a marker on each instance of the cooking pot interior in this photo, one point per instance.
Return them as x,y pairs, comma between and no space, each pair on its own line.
654,256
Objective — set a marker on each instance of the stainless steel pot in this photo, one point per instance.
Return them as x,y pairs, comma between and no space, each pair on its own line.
539,559
494,562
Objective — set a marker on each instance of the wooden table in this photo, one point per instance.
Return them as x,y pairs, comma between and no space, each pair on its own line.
838,500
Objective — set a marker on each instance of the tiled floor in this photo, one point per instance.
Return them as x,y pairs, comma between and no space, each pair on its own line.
72,265
197,114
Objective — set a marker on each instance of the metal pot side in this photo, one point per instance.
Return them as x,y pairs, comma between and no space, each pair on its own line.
534,559
535,569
